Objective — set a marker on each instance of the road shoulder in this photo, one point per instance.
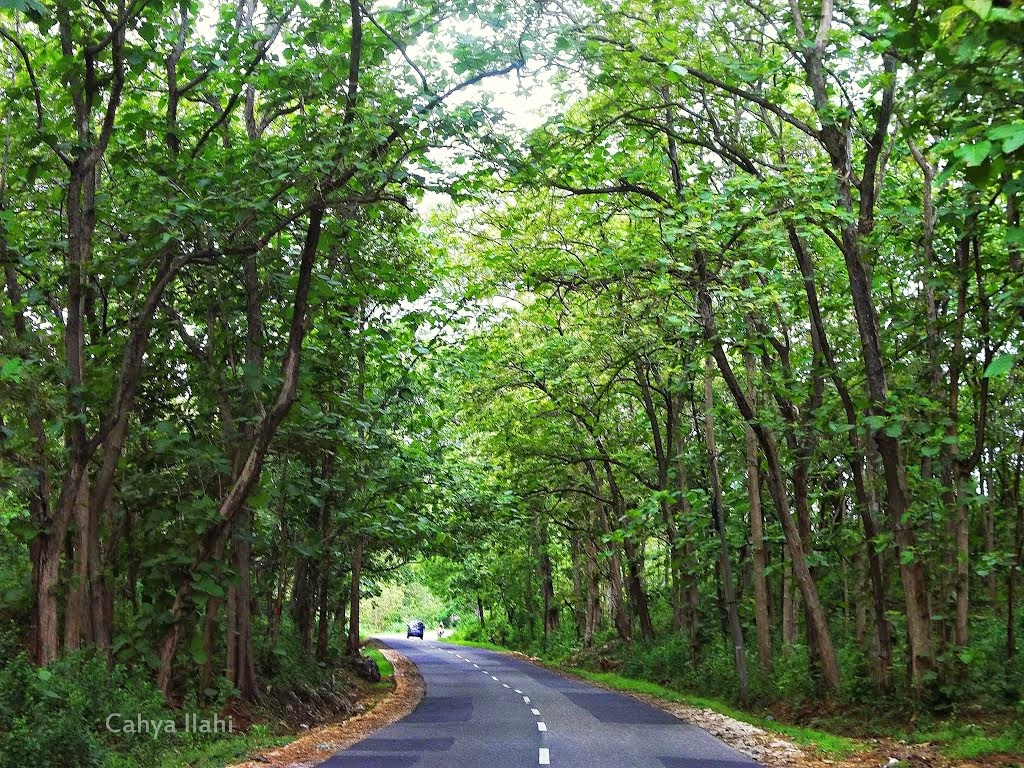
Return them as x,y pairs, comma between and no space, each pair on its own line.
318,744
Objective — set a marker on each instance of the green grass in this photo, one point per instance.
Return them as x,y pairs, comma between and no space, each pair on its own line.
829,744
221,752
385,666
973,747
970,742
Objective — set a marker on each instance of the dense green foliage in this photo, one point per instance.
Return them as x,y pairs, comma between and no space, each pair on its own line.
712,378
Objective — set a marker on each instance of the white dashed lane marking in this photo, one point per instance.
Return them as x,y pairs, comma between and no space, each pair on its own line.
543,755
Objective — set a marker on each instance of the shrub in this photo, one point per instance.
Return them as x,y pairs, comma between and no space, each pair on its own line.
56,716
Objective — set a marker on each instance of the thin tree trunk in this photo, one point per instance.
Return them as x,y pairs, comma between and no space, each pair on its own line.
761,620
210,627
1017,565
718,516
241,668
691,593
547,583
593,620
354,595
619,615
789,601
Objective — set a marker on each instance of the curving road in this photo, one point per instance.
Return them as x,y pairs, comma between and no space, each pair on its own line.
488,710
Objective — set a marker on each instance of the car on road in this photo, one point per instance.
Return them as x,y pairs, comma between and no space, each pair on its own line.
415,628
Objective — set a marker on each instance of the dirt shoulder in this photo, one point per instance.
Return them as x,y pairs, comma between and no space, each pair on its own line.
381,710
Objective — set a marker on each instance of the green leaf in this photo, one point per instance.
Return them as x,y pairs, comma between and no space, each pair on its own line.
974,154
11,370
948,20
999,366
1011,134
208,586
980,7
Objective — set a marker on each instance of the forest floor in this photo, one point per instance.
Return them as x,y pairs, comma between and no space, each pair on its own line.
388,702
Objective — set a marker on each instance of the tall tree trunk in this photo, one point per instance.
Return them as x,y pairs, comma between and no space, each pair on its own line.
858,462
77,616
39,495
718,516
341,611
762,622
323,622
953,475
634,570
326,564
1017,564
354,595
836,138
210,627
867,505
618,608
241,668
789,602
691,593
579,599
593,619
988,525
546,581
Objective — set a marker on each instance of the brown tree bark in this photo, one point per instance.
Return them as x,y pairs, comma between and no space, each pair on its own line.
860,466
551,617
718,517
620,617
77,614
836,137
354,595
241,667
762,621
593,587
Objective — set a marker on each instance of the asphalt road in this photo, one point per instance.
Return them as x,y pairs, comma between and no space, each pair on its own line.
488,710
